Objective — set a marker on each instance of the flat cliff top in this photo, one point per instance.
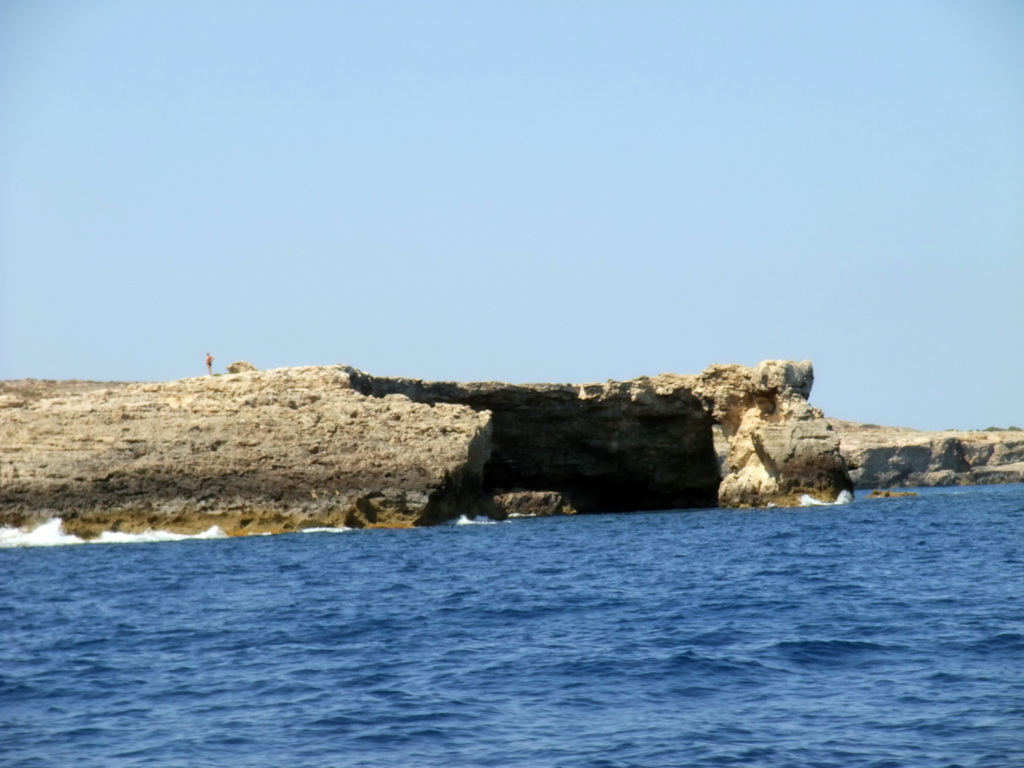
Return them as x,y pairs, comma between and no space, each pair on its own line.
16,391
301,415
855,434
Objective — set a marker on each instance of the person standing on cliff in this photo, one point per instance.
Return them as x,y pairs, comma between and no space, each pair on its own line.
209,363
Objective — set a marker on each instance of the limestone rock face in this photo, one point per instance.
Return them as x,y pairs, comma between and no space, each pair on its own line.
331,446
618,446
890,457
241,366
648,443
251,452
779,446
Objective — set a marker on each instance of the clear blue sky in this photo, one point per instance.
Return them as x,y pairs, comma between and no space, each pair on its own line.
523,191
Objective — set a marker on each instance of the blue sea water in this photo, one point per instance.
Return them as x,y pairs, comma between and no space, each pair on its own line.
881,633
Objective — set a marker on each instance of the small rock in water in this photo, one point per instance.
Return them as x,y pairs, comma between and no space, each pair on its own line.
876,494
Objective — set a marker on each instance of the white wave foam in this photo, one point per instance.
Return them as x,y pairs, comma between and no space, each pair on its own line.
844,497
116,537
342,529
481,520
51,534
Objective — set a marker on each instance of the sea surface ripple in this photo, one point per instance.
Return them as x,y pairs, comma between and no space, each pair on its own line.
878,634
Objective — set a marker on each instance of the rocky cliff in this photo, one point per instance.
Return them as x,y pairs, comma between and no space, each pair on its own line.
778,447
251,452
890,457
617,446
333,446
647,443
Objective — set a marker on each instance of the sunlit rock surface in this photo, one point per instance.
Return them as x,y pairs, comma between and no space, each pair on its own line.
647,443
890,457
250,452
779,447
296,448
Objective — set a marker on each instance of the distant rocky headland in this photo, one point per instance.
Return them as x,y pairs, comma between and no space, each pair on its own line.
893,457
270,451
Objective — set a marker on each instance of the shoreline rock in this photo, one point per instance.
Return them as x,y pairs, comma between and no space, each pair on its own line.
331,446
895,457
251,452
777,447
521,503
648,443
612,447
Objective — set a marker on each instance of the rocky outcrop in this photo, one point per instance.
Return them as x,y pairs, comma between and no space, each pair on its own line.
531,504
648,443
891,457
252,452
780,448
241,366
333,446
612,447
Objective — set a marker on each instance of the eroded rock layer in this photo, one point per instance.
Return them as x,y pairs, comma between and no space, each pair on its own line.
271,451
641,444
780,448
890,457
647,443
332,446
